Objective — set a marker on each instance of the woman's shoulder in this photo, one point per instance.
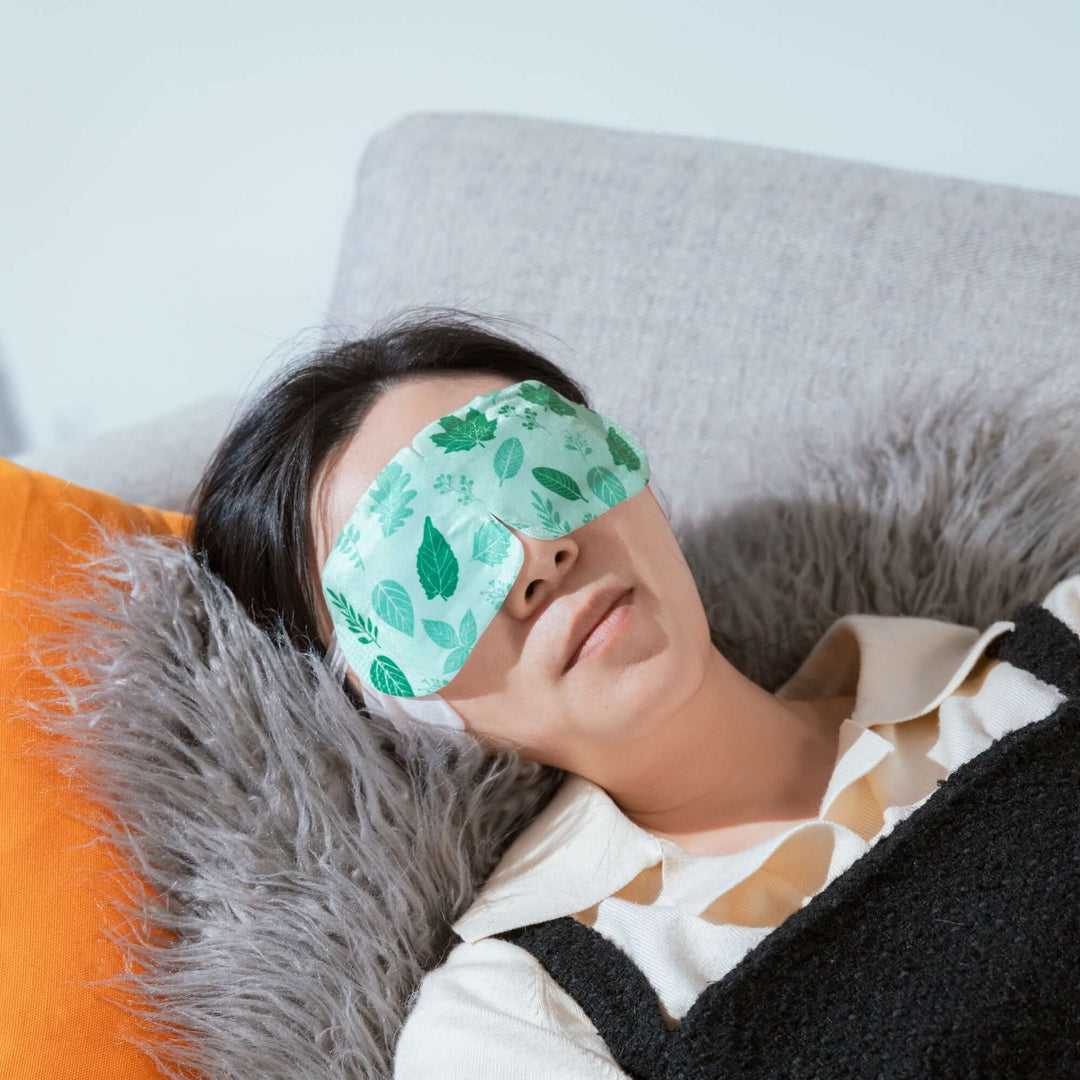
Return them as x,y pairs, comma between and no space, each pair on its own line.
483,972
491,1006
494,974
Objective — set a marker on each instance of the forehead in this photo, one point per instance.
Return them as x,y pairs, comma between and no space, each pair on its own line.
392,422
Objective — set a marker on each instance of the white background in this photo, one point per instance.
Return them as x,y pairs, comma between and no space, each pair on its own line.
176,177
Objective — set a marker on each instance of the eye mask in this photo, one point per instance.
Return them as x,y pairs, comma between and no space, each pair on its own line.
425,560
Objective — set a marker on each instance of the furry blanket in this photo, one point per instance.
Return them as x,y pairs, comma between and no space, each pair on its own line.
307,859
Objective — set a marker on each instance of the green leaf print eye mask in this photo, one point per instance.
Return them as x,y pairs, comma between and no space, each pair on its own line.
425,560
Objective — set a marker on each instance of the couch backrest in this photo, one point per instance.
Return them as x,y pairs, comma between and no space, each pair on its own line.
157,462
719,298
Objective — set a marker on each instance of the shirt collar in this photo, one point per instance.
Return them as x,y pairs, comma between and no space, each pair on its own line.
581,848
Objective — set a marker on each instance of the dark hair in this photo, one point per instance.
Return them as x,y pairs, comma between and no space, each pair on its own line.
251,504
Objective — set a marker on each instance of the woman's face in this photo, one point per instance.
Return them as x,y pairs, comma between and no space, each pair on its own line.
513,690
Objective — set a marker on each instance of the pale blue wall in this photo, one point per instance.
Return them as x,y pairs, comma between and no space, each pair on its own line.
176,177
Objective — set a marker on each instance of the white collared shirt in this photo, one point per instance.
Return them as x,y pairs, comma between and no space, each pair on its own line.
926,701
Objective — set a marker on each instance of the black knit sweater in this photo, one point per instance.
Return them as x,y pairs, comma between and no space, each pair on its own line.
950,949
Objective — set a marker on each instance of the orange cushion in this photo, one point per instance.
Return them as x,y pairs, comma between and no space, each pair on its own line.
52,911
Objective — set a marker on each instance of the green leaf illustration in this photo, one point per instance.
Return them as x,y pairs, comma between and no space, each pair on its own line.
347,544
388,678
491,544
364,629
436,563
621,451
393,605
459,434
529,421
550,518
556,480
606,485
577,442
496,591
432,686
455,660
442,633
467,629
542,394
508,458
444,485
391,496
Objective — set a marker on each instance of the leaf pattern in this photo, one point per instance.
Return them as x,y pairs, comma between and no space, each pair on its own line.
455,660
442,633
549,517
531,421
605,485
444,484
388,678
542,394
464,434
577,442
436,564
496,591
348,543
508,459
460,641
390,496
621,451
556,480
365,630
393,605
432,686
491,544
467,629
490,503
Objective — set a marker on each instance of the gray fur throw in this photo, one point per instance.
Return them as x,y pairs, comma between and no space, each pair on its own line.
307,859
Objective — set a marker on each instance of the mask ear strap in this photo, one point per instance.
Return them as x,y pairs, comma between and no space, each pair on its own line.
431,708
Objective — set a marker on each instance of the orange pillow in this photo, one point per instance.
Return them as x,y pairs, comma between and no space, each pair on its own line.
53,892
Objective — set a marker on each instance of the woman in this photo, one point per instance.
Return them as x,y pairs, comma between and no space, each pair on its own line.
700,810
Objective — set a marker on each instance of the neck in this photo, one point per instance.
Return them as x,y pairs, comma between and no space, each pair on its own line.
731,766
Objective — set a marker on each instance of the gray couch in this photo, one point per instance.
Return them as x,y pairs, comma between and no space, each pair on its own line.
784,290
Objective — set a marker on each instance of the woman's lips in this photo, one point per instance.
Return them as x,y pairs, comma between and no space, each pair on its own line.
607,629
